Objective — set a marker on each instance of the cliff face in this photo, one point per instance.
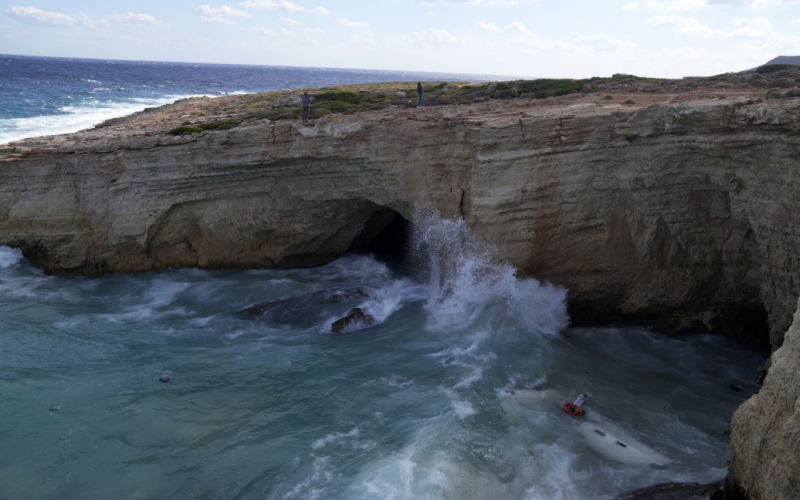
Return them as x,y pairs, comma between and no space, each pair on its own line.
685,213
765,437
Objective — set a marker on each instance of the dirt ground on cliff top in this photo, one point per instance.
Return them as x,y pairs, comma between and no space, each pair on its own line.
445,100
163,119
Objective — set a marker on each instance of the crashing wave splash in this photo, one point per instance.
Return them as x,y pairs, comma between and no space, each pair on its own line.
464,276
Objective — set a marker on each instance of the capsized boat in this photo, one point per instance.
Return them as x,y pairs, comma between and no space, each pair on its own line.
614,444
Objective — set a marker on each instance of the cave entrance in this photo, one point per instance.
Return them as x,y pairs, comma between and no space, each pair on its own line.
386,235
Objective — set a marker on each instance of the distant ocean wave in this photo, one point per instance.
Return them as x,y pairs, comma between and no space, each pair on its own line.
75,118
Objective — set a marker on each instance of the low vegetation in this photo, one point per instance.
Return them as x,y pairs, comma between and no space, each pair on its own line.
772,68
350,99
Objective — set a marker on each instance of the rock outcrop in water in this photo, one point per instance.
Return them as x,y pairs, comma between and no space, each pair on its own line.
355,319
682,210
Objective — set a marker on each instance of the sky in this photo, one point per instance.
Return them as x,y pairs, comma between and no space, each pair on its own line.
532,38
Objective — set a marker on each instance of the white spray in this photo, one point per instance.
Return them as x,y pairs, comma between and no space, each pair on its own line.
465,275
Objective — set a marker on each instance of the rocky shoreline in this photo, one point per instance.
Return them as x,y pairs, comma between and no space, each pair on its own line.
676,208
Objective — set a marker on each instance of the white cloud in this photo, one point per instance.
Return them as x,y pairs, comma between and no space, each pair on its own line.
263,31
39,16
318,31
225,14
528,39
675,5
352,24
630,6
757,27
136,18
482,2
288,20
519,28
488,26
602,42
796,21
687,5
753,4
439,36
284,6
687,25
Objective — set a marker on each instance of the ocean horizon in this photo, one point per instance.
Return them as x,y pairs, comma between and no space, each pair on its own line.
41,96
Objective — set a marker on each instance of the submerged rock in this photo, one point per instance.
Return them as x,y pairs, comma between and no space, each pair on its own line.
356,319
304,310
301,311
673,491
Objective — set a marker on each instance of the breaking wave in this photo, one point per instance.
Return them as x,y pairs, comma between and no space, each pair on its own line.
465,276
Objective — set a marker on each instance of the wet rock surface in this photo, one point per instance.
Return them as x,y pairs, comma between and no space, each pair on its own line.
356,319
305,310
673,491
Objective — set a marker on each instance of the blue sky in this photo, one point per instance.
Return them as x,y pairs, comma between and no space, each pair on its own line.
504,37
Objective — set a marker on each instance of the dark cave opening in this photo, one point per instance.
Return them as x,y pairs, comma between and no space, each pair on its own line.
386,236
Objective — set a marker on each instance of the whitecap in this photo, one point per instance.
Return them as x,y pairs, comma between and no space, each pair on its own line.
75,118
332,438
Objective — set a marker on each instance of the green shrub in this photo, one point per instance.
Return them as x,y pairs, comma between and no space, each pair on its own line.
772,68
185,130
346,97
220,125
335,106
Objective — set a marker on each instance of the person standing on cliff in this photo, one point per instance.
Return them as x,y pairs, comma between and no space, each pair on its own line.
421,94
306,101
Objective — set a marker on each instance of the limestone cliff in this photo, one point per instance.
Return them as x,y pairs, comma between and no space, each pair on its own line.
766,430
681,212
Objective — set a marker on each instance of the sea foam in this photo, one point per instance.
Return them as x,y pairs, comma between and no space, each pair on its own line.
9,257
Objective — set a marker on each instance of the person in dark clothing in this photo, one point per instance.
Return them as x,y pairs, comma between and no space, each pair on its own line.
306,100
421,94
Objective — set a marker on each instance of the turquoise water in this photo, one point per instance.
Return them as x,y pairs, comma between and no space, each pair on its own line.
280,408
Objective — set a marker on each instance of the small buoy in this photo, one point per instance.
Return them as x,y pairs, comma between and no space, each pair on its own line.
574,409
165,378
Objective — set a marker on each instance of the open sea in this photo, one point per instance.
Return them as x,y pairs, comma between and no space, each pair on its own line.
455,392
